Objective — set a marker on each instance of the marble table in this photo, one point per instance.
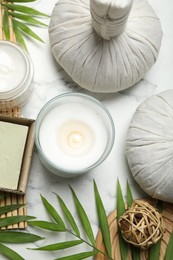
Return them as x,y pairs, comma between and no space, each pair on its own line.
50,80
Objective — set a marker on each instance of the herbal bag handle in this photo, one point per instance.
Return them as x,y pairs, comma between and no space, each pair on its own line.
109,17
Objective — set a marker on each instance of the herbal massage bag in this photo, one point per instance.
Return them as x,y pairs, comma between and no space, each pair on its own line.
149,146
105,46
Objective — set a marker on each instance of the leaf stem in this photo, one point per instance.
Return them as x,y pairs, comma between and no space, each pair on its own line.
79,237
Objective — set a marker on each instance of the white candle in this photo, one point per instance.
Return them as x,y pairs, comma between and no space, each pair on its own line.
74,135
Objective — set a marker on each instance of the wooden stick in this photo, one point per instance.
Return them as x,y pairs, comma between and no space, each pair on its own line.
21,211
14,213
2,203
9,214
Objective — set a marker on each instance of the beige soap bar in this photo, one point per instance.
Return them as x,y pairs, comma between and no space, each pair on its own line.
12,144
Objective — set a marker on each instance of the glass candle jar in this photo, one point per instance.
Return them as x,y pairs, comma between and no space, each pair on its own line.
73,134
16,74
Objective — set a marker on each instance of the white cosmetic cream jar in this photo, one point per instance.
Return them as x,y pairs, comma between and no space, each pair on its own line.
74,133
16,74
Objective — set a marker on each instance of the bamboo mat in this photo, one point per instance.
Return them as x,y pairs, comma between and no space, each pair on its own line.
167,215
9,198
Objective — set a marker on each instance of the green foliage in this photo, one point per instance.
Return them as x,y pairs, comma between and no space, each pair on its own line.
154,251
5,23
68,223
103,221
13,236
17,237
11,254
73,228
13,220
54,214
169,251
69,216
60,225
79,256
120,212
21,16
8,208
129,196
83,218
59,246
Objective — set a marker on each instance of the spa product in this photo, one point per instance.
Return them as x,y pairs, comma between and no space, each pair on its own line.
74,133
16,73
149,148
105,46
12,145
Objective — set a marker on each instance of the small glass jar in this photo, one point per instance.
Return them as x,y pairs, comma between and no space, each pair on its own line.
16,74
74,133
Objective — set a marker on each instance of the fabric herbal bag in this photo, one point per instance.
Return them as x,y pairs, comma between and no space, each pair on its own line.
149,146
105,46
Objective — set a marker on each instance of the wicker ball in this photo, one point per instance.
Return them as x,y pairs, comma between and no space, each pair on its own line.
141,225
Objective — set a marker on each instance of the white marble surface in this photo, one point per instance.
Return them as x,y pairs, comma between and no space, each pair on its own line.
49,81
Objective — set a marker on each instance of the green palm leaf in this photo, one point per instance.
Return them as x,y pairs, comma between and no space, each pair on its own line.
18,34
160,206
103,221
120,201
6,25
51,210
12,255
60,246
16,13
20,1
68,216
136,253
169,251
154,251
79,256
17,237
24,28
47,225
13,220
26,18
120,211
129,196
84,218
8,208
24,9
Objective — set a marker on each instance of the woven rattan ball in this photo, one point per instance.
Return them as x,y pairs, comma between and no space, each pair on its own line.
141,225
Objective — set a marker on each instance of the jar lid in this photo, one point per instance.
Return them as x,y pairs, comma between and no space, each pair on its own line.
16,70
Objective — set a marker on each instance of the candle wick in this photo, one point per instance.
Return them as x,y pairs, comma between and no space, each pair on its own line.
75,139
